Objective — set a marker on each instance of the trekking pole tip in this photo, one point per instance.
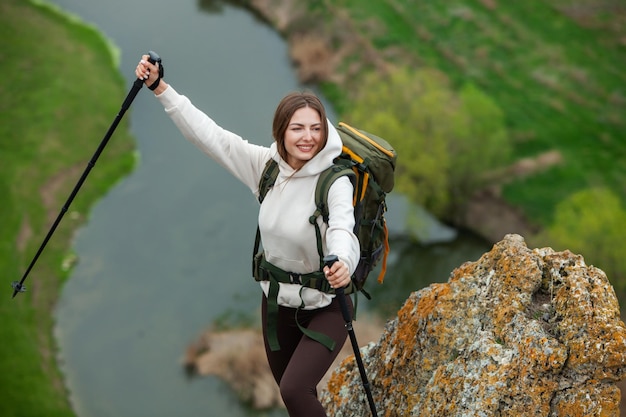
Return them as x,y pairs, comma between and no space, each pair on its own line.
17,288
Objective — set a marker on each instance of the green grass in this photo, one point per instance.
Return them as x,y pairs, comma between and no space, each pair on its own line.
61,91
560,85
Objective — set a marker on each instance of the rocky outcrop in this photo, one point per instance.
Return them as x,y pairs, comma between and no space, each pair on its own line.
519,332
237,357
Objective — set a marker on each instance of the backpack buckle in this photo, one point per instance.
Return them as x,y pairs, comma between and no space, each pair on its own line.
295,278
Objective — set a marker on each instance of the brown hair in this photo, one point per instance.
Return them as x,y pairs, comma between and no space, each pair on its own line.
285,110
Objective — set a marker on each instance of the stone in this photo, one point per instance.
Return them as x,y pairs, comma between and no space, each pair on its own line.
237,357
519,332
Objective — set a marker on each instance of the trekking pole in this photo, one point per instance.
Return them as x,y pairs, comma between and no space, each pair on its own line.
19,286
339,292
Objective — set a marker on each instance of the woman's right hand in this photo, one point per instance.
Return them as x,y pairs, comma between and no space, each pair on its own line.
149,73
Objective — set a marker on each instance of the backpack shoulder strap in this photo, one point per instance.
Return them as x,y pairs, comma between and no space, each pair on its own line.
326,179
340,168
268,178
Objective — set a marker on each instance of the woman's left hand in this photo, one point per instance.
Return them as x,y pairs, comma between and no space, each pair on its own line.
337,275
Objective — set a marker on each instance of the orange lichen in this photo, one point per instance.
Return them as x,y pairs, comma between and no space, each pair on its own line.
428,303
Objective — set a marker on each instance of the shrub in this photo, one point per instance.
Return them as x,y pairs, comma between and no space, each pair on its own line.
591,222
445,140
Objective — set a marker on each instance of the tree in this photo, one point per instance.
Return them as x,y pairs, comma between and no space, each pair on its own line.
445,141
478,144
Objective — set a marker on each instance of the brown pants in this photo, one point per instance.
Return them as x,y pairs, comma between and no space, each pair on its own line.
301,362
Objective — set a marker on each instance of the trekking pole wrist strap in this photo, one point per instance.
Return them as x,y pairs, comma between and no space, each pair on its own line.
155,84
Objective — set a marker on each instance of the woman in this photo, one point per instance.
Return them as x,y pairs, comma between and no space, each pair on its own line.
305,144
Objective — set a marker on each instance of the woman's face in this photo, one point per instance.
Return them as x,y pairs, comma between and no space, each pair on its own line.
303,137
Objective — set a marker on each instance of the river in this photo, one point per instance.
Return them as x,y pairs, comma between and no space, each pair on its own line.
166,252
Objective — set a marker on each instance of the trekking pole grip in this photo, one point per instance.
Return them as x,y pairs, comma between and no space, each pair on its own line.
154,57
329,261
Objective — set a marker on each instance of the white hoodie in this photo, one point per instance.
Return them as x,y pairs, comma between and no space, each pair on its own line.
288,238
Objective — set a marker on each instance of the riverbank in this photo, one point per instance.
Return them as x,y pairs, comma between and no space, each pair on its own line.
51,122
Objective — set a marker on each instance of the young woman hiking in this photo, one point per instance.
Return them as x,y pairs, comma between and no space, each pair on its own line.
303,327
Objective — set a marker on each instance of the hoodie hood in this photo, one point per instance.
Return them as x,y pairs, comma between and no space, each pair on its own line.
319,162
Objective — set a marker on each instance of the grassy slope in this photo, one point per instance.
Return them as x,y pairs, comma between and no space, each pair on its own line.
561,86
59,88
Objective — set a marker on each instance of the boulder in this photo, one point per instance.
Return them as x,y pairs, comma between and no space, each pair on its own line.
520,332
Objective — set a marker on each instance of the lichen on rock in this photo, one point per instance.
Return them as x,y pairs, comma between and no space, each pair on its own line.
519,332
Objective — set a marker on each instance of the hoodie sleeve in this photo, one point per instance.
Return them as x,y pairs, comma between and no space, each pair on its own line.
340,238
242,159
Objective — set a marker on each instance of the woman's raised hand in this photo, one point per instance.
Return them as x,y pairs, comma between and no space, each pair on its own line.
149,73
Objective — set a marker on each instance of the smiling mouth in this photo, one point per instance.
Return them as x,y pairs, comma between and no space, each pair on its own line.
305,148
